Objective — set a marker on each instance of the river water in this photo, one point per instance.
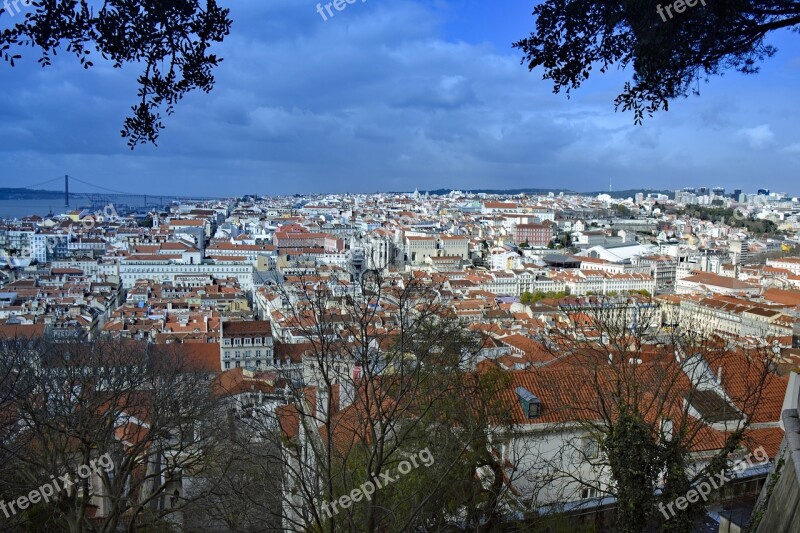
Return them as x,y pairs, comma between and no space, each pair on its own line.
23,208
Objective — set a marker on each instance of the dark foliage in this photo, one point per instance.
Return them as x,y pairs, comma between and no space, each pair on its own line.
669,56
170,40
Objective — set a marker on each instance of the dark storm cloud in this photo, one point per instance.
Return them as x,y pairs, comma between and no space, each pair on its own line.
391,95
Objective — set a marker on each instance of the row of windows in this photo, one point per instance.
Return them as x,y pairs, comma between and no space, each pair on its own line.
207,270
238,364
247,353
247,341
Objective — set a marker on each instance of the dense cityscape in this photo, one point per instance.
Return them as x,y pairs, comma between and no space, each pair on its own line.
303,322
404,266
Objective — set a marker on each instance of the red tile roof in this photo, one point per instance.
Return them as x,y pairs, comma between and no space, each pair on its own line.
247,327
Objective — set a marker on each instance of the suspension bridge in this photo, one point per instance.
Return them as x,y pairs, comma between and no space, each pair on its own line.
99,196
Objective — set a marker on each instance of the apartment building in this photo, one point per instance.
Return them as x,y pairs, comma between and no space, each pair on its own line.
246,344
453,246
419,248
582,282
662,267
168,268
250,252
533,234
792,264
736,317
705,282
298,239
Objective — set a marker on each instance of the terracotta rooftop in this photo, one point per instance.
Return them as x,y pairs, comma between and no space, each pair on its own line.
247,327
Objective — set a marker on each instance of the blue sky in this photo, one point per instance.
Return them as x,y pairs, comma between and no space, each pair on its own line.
395,95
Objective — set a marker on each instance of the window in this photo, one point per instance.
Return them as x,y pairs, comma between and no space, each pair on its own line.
227,365
258,353
237,342
226,342
590,448
247,342
238,354
588,493
238,364
531,405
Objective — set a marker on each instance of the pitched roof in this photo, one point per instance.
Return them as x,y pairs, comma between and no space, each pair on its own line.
247,327
708,278
16,331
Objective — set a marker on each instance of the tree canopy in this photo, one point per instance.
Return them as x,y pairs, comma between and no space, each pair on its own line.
731,217
670,47
169,40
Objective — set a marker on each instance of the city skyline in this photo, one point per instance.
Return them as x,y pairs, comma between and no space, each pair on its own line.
762,188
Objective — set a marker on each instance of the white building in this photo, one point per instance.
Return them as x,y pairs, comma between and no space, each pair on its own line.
246,344
163,270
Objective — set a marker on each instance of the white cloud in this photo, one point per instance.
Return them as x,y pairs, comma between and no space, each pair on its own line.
792,149
758,137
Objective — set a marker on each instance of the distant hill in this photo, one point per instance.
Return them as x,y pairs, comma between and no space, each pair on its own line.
628,193
7,193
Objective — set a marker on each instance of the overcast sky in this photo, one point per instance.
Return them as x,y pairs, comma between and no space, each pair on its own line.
394,95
